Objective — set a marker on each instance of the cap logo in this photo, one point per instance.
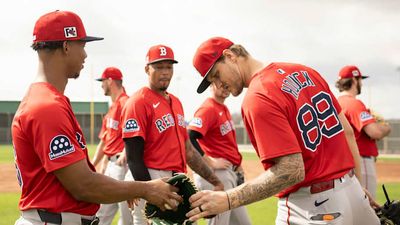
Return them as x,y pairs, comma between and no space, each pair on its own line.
70,32
163,51
355,73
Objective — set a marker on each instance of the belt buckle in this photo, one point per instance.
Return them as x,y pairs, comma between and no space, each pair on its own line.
95,221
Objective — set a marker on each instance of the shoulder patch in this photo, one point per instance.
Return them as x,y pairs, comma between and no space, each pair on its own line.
60,146
131,125
196,122
365,116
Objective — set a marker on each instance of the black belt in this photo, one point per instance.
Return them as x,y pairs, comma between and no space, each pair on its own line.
367,157
111,157
49,217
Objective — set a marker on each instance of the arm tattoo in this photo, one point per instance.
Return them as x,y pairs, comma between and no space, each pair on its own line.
287,171
197,164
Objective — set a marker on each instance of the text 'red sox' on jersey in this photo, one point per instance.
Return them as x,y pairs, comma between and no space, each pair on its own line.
111,130
214,122
161,124
289,109
47,137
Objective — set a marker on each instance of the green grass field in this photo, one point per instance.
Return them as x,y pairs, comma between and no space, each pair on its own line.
262,212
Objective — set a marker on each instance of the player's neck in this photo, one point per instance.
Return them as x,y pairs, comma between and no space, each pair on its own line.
251,68
349,92
218,99
52,73
116,93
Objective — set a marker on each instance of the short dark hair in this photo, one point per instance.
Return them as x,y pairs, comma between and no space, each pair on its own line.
49,45
344,84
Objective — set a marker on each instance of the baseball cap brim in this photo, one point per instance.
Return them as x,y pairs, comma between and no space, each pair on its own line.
203,85
91,38
99,79
163,59
364,77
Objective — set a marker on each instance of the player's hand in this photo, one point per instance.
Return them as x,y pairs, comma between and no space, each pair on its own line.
219,163
207,203
162,194
372,201
121,161
132,203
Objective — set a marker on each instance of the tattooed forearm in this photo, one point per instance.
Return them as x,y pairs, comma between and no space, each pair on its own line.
287,171
198,165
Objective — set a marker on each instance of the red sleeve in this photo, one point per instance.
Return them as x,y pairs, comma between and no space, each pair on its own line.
269,130
203,120
360,115
56,140
135,117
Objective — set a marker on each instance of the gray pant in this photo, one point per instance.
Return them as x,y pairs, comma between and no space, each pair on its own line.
138,214
368,175
107,212
237,216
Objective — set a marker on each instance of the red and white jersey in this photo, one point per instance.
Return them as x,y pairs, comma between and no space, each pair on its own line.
359,117
111,131
161,124
47,137
289,109
214,122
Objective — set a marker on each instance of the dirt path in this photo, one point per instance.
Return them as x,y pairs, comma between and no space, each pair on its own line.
387,172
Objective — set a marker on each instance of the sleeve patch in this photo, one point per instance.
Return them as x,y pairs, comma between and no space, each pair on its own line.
196,122
365,116
131,125
60,146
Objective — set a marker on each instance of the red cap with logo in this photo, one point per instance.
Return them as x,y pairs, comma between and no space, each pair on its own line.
206,56
112,73
350,71
159,53
60,26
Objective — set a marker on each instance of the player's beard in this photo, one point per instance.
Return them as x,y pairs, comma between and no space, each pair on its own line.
75,76
358,88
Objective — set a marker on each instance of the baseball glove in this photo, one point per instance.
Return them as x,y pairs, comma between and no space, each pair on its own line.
389,214
170,217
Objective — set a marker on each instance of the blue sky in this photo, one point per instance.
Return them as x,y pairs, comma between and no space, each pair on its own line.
325,35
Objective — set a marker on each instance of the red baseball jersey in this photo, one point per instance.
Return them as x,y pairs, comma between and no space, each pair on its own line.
289,109
47,137
161,124
214,122
111,132
359,117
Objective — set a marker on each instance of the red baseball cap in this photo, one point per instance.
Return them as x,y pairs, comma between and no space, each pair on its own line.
350,71
60,26
111,73
205,57
159,53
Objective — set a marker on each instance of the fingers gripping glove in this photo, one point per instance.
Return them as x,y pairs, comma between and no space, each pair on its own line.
170,217
389,214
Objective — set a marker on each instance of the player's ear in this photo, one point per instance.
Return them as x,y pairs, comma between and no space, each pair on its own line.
65,46
146,69
227,53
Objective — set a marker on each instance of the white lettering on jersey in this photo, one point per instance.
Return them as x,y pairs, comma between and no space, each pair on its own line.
196,122
113,124
226,127
60,146
168,121
292,85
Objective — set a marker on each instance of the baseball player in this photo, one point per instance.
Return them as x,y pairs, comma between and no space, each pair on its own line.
111,146
212,133
300,134
59,184
366,129
155,136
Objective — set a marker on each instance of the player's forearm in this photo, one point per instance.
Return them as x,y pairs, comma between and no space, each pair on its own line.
288,171
198,165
